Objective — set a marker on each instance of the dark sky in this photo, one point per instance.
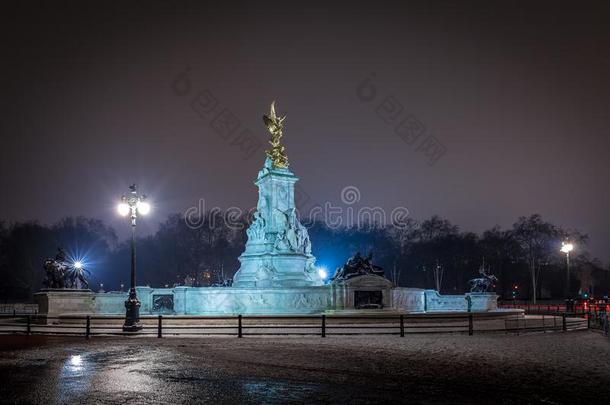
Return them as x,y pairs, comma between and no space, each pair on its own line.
517,93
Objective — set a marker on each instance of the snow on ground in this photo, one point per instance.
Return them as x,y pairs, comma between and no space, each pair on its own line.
569,368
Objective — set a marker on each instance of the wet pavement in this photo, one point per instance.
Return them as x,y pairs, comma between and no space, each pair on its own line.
543,368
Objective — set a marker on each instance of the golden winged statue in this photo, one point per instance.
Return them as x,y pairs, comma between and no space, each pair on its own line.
275,125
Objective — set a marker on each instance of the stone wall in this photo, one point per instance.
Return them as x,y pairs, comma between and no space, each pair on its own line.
408,299
436,302
232,300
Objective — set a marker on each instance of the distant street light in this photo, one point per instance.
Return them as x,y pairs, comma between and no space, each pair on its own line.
566,248
132,205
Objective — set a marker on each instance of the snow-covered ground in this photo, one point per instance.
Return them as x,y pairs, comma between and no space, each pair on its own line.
554,367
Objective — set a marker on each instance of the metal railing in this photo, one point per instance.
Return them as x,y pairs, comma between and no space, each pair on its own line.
19,309
595,315
579,308
295,325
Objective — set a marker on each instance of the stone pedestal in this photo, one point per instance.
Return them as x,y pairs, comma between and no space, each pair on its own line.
278,251
377,290
54,302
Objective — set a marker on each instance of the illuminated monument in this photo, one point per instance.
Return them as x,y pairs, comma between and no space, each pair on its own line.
277,273
278,251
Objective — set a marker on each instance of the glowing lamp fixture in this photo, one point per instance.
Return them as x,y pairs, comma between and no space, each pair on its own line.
78,264
123,209
143,207
133,204
566,247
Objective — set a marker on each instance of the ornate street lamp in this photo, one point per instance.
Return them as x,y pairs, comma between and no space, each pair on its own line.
566,248
132,205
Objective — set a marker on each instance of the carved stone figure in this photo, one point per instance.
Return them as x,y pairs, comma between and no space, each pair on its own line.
256,231
62,274
56,270
163,303
482,284
358,266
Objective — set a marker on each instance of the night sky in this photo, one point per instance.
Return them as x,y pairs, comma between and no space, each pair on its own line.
518,95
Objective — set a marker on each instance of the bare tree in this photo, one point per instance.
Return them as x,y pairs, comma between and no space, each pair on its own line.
537,240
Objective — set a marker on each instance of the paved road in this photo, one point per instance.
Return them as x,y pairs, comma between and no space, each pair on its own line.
536,368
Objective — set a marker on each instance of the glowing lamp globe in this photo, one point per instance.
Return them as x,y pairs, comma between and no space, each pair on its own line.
143,207
123,209
567,247
78,264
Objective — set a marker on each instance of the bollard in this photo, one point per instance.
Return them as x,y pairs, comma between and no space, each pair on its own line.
323,325
239,334
14,313
589,320
470,325
160,327
402,326
564,326
88,327
29,330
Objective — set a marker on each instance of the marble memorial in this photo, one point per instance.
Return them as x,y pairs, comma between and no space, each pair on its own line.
277,273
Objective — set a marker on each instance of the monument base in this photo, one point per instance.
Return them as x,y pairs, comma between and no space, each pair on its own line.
55,302
366,293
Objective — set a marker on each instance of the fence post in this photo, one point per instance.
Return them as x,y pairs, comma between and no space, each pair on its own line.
564,326
160,327
29,330
323,325
402,325
470,326
239,334
88,327
543,324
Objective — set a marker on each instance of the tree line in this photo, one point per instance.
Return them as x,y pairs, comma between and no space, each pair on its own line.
433,253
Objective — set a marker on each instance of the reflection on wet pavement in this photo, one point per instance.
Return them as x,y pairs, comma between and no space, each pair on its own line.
74,378
157,375
422,369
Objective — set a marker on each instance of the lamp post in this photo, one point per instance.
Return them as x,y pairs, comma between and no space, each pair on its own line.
132,205
566,248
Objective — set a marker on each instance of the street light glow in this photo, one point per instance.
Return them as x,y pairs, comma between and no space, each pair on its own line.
143,207
322,273
78,264
123,209
566,247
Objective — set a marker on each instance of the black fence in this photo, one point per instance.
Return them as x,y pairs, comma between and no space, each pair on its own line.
306,325
577,309
595,315
13,309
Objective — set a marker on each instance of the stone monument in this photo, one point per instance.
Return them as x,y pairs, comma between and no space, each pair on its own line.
278,250
277,275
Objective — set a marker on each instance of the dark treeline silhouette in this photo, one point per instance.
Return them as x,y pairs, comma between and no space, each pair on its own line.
431,254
